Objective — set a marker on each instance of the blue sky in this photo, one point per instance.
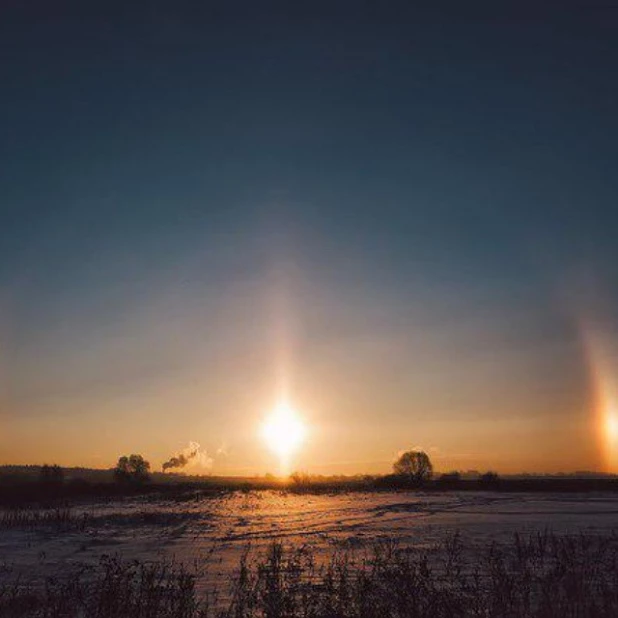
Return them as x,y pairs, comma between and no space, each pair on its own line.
421,203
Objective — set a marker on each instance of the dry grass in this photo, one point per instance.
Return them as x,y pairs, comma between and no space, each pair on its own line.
57,518
540,576
67,520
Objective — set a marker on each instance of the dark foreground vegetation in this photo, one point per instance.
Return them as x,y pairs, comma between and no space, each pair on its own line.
543,576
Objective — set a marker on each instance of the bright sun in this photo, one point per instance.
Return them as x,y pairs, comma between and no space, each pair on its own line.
284,432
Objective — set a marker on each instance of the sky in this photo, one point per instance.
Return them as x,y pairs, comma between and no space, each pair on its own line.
405,219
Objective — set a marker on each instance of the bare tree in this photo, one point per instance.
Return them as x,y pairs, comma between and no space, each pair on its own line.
415,465
133,469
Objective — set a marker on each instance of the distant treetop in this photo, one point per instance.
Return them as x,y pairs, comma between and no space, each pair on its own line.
132,469
415,465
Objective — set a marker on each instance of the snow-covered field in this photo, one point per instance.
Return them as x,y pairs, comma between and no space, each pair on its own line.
215,532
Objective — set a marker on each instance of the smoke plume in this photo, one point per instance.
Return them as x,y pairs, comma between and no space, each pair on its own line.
193,456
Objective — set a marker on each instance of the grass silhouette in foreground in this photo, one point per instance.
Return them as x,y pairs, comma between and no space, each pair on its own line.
542,575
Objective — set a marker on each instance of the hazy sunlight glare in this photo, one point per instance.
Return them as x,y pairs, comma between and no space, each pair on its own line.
602,357
611,428
283,432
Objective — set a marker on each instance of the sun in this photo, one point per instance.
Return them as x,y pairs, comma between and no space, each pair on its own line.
284,432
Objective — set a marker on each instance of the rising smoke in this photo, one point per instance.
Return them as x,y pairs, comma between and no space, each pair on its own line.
192,455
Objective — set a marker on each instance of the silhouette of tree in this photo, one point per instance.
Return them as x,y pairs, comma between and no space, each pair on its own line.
489,479
415,465
51,475
132,469
300,479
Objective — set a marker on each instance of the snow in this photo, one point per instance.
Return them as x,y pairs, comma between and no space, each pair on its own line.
216,531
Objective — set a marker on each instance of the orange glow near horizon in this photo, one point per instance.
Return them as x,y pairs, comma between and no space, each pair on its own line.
605,398
283,432
610,430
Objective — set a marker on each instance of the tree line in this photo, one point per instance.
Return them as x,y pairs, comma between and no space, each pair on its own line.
410,468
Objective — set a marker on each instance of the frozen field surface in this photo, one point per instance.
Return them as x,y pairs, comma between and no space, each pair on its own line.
216,531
